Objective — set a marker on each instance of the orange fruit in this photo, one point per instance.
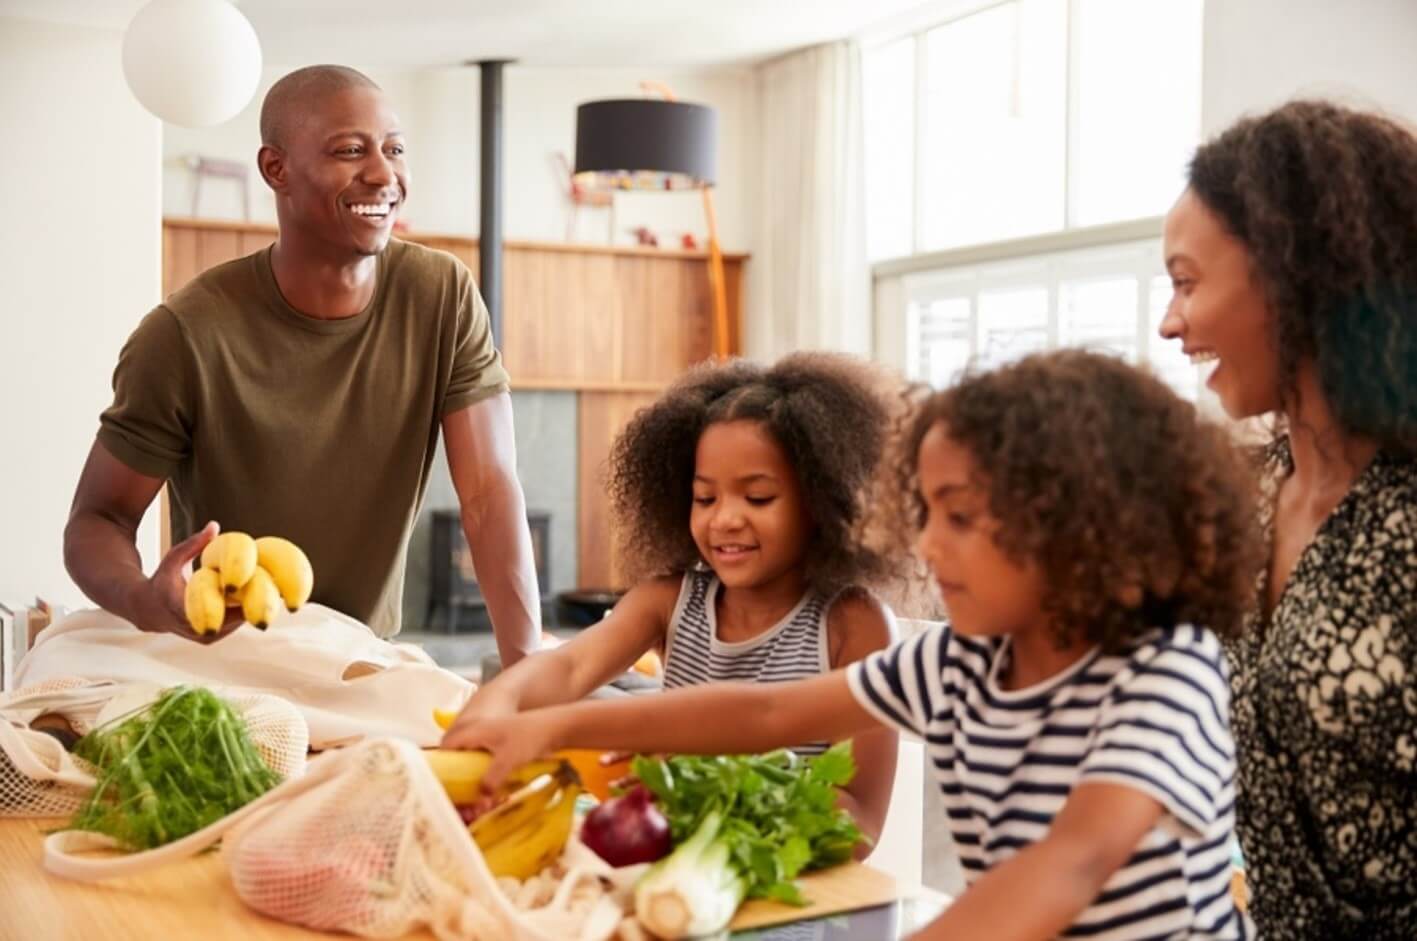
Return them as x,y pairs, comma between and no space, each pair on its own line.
596,777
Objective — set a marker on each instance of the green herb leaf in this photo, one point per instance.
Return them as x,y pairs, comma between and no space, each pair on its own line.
180,763
779,812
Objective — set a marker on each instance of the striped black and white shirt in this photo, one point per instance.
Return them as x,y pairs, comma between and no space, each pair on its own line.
1154,718
795,648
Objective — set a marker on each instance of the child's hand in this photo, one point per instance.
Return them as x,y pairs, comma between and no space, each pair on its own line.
484,704
513,741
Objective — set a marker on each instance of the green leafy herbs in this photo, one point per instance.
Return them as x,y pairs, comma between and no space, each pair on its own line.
169,769
777,813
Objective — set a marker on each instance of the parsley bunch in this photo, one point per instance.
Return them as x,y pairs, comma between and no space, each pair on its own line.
171,768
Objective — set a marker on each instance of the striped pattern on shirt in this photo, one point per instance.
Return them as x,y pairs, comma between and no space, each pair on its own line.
1154,718
795,648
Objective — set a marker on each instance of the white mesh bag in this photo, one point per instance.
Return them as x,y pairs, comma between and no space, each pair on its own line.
40,778
366,843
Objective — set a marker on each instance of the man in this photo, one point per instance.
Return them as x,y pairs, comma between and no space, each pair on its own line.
300,392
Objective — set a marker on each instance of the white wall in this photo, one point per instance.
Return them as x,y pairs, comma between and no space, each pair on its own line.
1259,53
440,107
82,257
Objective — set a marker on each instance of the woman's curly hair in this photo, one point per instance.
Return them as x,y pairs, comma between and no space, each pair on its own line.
829,413
1324,198
1136,511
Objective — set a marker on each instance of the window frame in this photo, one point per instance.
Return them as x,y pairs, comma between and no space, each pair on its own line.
1051,262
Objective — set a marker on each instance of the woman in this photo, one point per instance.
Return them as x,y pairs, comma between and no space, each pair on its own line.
1293,253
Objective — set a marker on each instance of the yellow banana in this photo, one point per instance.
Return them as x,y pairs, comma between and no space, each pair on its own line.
236,560
260,601
289,567
525,805
529,772
460,772
204,602
537,843
211,555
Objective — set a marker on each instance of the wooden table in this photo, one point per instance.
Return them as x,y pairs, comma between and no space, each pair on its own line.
190,898
193,898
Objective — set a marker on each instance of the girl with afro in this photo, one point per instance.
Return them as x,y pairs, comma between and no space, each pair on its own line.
740,498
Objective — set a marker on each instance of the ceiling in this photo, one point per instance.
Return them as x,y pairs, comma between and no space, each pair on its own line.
430,33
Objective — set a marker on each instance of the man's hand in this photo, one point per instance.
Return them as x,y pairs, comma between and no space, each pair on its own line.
158,602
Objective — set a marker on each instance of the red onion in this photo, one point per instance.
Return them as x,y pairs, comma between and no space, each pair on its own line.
628,829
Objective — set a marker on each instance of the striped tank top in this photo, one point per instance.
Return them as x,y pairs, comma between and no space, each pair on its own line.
794,648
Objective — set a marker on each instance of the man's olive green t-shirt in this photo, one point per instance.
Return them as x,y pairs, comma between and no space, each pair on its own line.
322,431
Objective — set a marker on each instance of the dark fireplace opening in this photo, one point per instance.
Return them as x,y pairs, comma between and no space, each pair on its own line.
455,602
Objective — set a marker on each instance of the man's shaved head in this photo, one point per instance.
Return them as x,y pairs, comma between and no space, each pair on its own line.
294,95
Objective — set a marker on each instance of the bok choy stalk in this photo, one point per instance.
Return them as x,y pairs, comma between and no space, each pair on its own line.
694,890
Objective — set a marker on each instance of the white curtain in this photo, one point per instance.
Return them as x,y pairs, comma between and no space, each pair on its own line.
809,283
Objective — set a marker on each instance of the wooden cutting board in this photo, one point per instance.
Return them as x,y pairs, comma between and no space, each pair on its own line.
845,888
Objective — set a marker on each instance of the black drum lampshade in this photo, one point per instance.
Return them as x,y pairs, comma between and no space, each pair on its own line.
645,143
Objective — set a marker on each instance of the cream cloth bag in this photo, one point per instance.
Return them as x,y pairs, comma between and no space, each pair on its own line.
346,682
368,843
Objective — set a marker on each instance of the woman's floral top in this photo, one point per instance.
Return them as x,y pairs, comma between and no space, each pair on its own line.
1325,721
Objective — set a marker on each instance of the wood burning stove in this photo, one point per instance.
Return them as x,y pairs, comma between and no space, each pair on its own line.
454,594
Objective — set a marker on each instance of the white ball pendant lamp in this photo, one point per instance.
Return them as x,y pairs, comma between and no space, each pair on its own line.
193,63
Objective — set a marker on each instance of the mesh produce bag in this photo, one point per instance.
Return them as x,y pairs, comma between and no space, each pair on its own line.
40,778
368,843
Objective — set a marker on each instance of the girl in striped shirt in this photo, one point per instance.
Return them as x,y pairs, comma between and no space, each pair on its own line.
740,500
1081,523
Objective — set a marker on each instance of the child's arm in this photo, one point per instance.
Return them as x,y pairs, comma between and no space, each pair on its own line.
858,626
592,658
1040,892
714,719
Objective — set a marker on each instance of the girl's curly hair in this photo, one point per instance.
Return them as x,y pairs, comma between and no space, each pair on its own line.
1324,198
1136,511
829,413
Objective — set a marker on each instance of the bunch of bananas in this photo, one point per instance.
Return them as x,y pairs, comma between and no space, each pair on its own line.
257,574
528,827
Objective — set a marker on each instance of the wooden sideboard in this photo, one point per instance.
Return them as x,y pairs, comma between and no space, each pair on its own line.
614,325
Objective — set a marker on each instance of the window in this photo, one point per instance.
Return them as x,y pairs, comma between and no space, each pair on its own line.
993,111
1137,67
1109,299
888,117
1026,117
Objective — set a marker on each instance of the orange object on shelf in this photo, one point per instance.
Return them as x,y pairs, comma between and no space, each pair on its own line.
649,664
595,776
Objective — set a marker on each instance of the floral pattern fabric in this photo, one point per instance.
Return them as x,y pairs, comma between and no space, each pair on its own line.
1324,713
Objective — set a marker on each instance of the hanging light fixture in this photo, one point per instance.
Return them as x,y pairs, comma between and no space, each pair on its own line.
645,143
193,63
656,144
